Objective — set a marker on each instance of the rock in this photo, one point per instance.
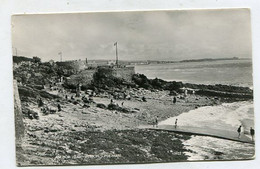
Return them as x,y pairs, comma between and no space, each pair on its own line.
113,106
53,130
46,131
173,93
134,111
101,105
86,106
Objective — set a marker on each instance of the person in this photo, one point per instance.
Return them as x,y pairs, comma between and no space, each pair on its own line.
144,99
185,92
156,121
252,133
239,131
40,102
59,107
122,103
176,121
174,100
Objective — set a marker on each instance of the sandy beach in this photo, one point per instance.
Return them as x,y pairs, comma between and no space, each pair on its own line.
93,121
77,118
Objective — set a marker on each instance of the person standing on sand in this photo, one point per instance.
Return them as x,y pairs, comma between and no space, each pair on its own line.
176,121
174,100
252,133
59,107
40,102
239,131
156,121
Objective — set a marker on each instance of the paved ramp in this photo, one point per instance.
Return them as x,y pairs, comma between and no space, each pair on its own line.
223,134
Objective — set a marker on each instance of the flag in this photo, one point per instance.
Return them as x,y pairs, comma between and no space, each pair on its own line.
115,43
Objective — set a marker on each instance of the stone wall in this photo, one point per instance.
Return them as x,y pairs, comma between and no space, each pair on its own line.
19,125
75,64
84,77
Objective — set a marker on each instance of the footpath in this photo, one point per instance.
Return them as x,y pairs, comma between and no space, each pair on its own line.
222,134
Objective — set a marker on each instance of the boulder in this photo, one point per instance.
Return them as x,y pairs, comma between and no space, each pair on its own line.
101,105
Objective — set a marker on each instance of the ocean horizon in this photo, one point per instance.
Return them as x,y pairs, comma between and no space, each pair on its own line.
226,72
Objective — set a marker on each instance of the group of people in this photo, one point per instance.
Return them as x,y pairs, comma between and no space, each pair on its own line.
252,132
45,109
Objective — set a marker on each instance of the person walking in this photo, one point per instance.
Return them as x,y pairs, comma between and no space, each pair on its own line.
156,121
252,133
239,131
176,121
144,99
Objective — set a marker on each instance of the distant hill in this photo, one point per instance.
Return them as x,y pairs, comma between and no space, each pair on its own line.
18,59
209,59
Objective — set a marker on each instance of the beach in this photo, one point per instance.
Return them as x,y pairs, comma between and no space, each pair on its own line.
41,135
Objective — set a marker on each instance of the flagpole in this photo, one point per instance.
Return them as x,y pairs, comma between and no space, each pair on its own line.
115,44
60,53
116,56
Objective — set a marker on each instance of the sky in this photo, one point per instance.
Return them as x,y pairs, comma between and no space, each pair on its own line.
147,35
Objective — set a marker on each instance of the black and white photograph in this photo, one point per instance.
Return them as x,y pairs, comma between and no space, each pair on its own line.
133,87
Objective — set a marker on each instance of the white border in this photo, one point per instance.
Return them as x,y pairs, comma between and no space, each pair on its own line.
9,7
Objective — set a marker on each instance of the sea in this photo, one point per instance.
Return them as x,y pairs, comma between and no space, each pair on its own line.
227,115
228,72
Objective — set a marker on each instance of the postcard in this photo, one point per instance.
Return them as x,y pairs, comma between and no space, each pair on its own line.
133,87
